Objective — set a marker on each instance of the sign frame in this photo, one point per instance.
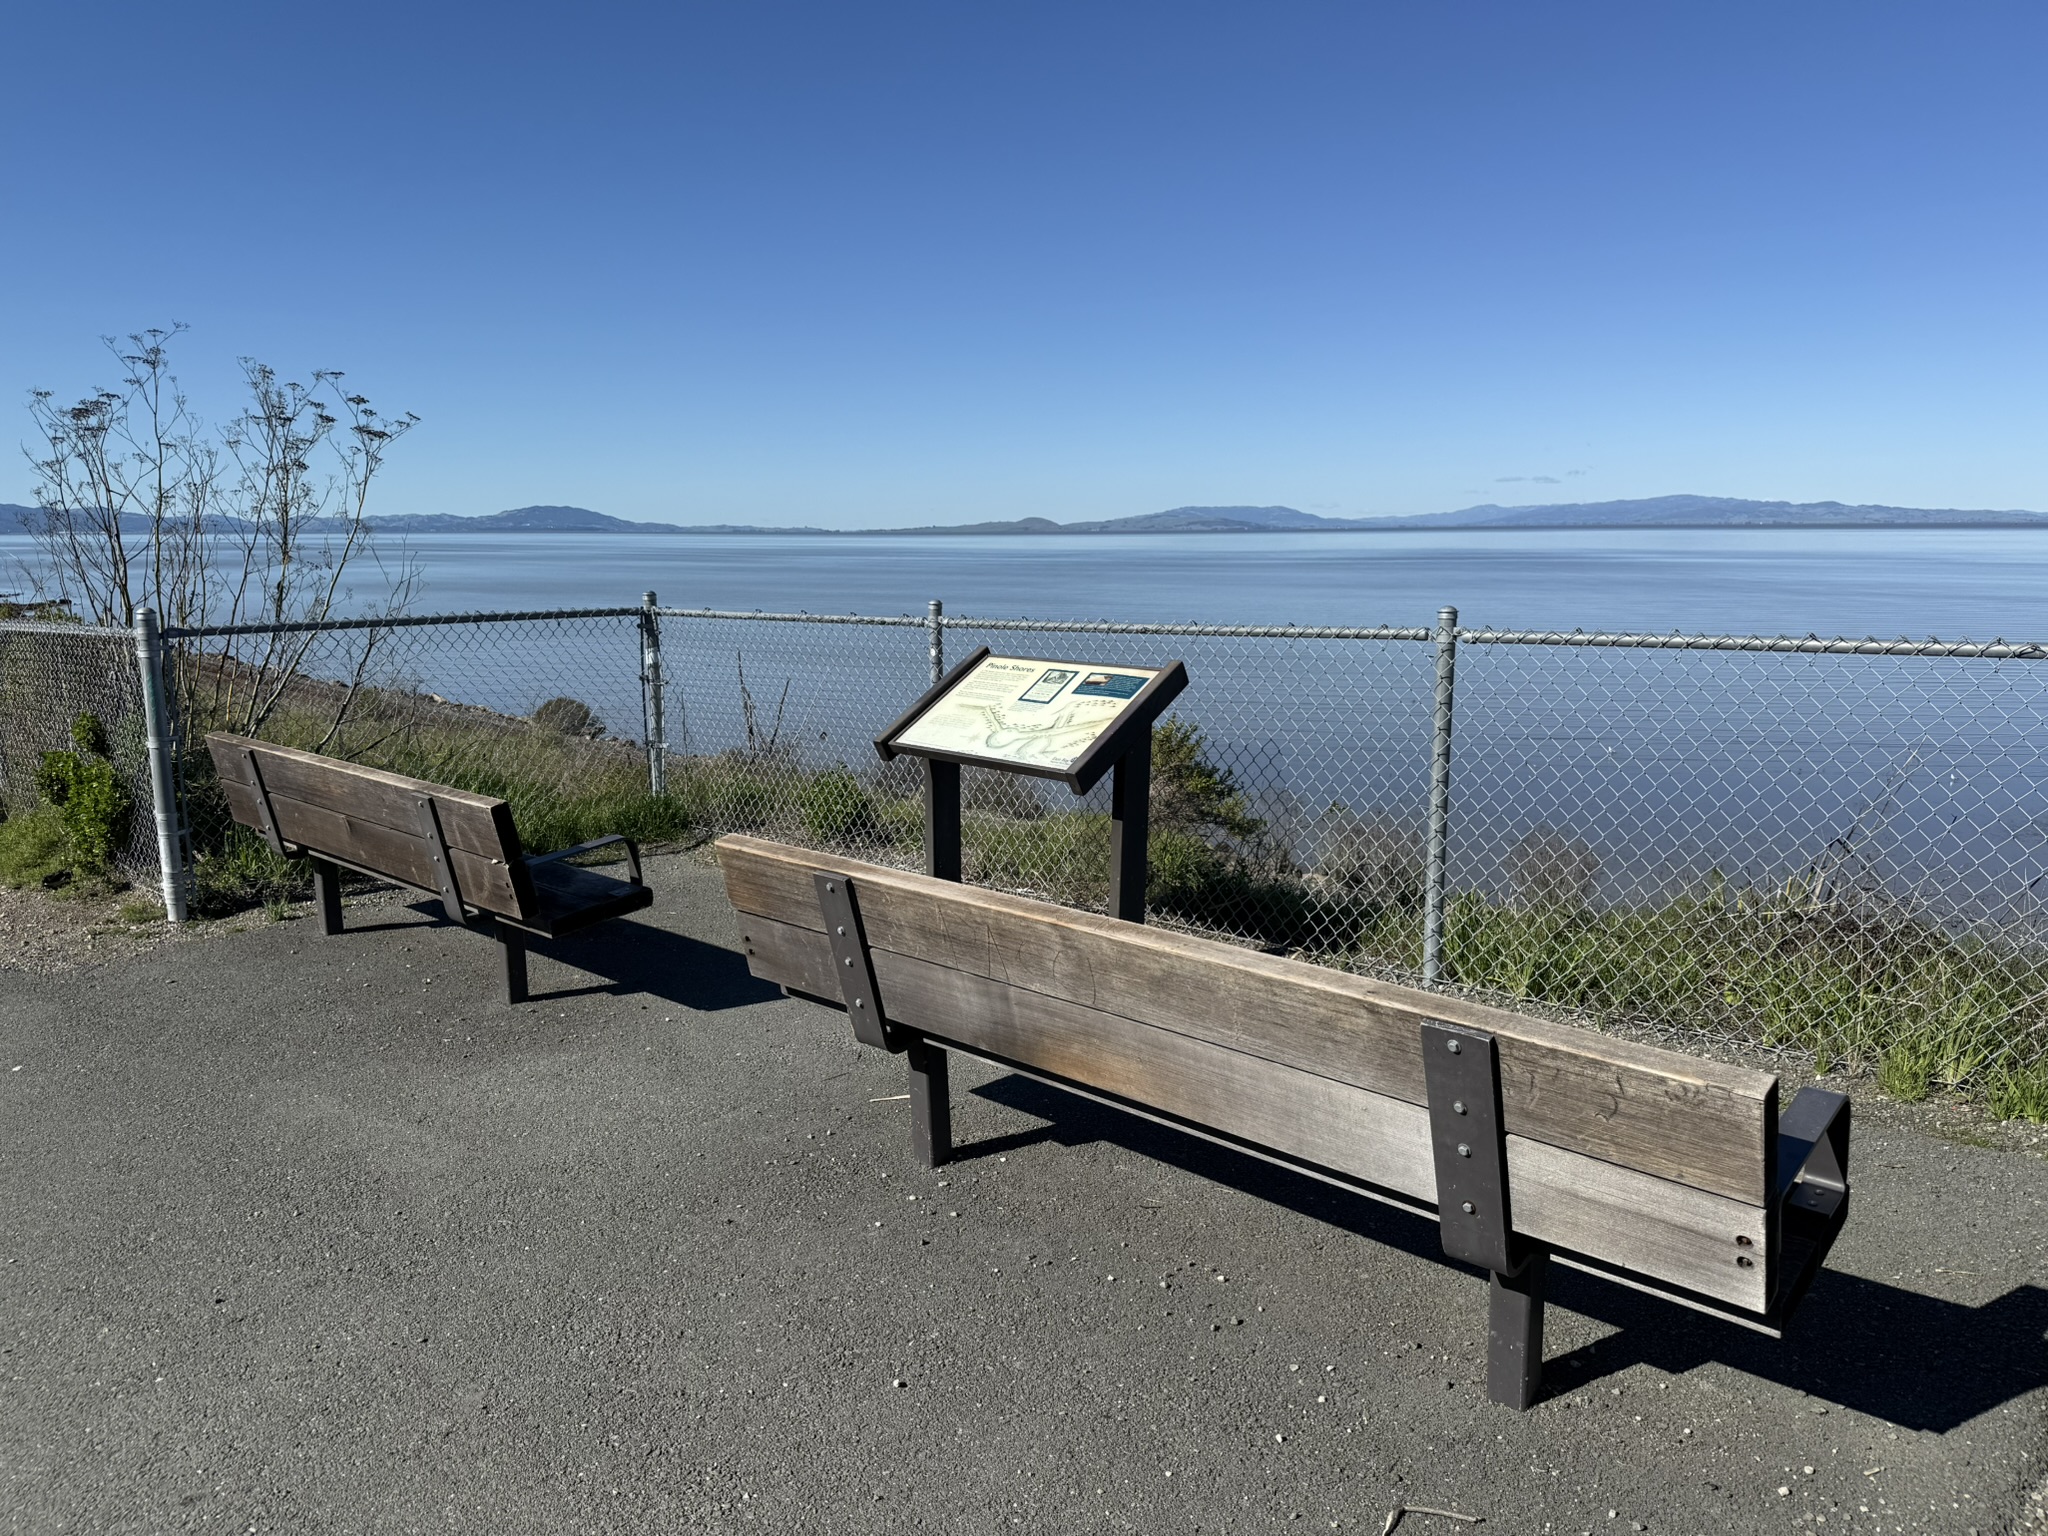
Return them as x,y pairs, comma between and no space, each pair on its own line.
1132,724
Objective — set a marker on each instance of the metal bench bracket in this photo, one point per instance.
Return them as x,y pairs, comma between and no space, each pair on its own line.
444,866
853,964
1462,1070
1812,1192
263,806
1468,1137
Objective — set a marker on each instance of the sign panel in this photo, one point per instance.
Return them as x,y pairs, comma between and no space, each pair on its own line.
1041,716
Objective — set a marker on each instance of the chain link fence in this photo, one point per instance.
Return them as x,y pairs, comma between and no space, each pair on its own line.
1833,847
544,710
1836,846
770,722
74,757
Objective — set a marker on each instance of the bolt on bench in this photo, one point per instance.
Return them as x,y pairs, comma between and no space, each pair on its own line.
444,842
1528,1140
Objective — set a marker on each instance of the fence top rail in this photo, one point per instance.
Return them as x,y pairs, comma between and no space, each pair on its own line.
894,621
1228,631
400,621
1809,645
46,627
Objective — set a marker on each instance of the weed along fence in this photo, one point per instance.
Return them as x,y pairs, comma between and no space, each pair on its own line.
76,739
1833,846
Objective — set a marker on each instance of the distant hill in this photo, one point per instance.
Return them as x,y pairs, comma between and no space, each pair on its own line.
1653,512
18,519
1710,512
518,520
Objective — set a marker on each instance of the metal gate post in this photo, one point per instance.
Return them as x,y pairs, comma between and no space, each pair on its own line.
163,784
936,623
1439,798
651,696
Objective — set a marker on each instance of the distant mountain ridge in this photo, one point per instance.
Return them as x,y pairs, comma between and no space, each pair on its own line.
1651,512
528,520
1713,512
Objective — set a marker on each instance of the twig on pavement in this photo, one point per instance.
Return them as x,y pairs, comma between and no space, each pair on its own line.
1394,1518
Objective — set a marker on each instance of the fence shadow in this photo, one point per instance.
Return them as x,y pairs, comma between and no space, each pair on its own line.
1916,1361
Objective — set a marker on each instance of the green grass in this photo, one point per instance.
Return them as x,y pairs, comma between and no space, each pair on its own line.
34,847
562,789
239,872
1923,1010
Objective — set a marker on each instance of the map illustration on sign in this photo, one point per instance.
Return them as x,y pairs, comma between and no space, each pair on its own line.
1032,714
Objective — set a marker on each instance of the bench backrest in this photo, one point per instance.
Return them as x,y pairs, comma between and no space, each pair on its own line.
375,822
1651,1161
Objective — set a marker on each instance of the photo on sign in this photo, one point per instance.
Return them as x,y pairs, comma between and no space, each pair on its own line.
1048,687
1110,685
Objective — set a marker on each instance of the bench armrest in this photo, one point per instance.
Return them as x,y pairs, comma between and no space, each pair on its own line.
632,853
1810,1202
1813,1143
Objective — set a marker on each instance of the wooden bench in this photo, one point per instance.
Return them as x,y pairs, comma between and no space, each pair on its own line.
1527,1140
445,842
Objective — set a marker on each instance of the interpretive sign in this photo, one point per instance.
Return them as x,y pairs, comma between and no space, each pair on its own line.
1067,720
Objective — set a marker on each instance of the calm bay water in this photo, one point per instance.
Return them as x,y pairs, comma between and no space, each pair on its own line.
1961,583
1964,583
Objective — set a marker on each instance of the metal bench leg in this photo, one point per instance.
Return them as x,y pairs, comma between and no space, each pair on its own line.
931,1105
327,895
1514,1332
515,967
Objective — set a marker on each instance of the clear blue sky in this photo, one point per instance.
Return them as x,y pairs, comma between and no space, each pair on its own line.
864,264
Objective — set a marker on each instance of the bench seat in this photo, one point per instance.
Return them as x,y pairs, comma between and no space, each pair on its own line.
570,897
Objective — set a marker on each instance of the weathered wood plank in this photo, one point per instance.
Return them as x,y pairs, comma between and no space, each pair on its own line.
1582,1205
485,883
1655,1227
468,821
1676,1117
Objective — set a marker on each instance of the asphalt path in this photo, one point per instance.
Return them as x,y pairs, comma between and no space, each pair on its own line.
318,1235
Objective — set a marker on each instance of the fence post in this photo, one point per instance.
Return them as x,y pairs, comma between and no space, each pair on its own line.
1439,798
936,624
651,696
163,784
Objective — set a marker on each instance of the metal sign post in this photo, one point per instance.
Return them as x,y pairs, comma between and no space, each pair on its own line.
941,819
1130,821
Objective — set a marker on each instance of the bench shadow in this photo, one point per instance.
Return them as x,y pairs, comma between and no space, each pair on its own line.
355,927
638,959
1916,1361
